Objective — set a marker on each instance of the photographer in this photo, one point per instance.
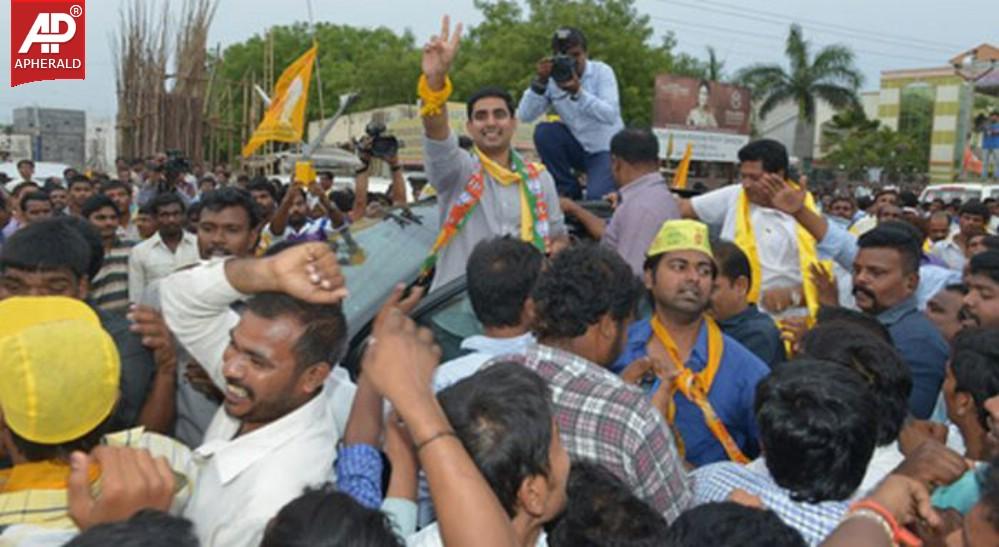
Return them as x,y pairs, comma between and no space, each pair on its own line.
584,94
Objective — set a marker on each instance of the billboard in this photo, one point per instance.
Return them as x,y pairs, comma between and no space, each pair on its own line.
713,116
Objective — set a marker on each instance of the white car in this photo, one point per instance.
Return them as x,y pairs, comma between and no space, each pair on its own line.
43,170
961,190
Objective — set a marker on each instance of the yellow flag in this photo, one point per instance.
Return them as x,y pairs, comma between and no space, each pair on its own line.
680,177
285,119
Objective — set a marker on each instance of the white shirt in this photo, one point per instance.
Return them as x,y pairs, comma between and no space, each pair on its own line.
152,260
431,537
483,349
950,252
776,234
243,482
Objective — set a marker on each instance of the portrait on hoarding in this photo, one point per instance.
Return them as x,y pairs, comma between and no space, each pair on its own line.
702,115
700,105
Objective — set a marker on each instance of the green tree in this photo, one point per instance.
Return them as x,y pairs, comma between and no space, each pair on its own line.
829,75
714,67
504,49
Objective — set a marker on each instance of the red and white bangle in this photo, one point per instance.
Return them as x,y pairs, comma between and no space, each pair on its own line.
898,535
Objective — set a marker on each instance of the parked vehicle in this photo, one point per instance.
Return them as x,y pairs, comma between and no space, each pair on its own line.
963,191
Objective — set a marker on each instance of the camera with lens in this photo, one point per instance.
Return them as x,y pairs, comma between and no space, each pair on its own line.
378,144
564,66
176,162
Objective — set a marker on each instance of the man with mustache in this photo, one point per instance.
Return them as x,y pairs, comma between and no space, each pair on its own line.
490,192
275,434
885,278
705,379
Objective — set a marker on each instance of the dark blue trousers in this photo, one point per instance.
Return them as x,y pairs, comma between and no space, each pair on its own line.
562,155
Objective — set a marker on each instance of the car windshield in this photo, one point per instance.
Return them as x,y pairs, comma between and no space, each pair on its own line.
384,252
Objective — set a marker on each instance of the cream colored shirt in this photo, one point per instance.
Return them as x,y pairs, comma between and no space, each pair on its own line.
152,260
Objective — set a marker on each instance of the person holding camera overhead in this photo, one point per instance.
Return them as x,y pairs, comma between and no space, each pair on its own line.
583,92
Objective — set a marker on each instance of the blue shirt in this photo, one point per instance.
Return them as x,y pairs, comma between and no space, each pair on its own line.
923,348
593,116
990,137
731,394
757,332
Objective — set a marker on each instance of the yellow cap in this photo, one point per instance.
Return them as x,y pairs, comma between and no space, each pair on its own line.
681,235
60,370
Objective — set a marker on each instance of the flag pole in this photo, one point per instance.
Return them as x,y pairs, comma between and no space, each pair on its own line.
319,78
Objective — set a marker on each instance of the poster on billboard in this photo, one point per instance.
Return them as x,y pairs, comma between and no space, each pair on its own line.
713,116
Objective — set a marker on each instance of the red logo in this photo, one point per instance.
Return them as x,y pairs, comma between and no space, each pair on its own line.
47,40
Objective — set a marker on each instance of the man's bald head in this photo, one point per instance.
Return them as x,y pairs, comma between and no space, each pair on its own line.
939,227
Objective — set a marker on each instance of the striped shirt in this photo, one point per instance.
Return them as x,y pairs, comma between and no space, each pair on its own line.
109,289
49,508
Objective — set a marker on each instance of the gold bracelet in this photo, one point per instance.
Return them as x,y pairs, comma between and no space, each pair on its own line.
873,515
434,437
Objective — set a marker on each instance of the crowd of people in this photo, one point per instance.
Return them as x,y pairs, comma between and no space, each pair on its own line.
754,365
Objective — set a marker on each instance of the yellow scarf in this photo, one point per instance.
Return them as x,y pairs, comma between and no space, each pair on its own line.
695,386
807,252
507,177
46,475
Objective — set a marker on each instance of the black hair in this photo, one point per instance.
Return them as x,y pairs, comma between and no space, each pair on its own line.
327,174
582,284
503,417
816,429
22,185
78,179
991,242
224,198
343,198
261,184
635,145
501,273
877,362
324,517
772,153
95,203
324,337
40,452
893,235
865,202
34,196
572,37
987,264
487,92
975,364
730,523
907,198
847,199
165,199
91,236
603,511
25,161
46,246
976,208
115,185
732,262
147,528
146,209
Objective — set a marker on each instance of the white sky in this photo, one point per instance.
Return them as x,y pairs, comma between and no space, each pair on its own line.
893,33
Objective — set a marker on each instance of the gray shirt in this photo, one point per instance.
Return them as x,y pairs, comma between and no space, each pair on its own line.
498,213
646,203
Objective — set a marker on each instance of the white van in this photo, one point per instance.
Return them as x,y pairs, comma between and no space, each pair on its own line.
961,190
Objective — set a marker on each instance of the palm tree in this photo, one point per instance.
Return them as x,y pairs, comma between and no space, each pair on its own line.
829,76
714,67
